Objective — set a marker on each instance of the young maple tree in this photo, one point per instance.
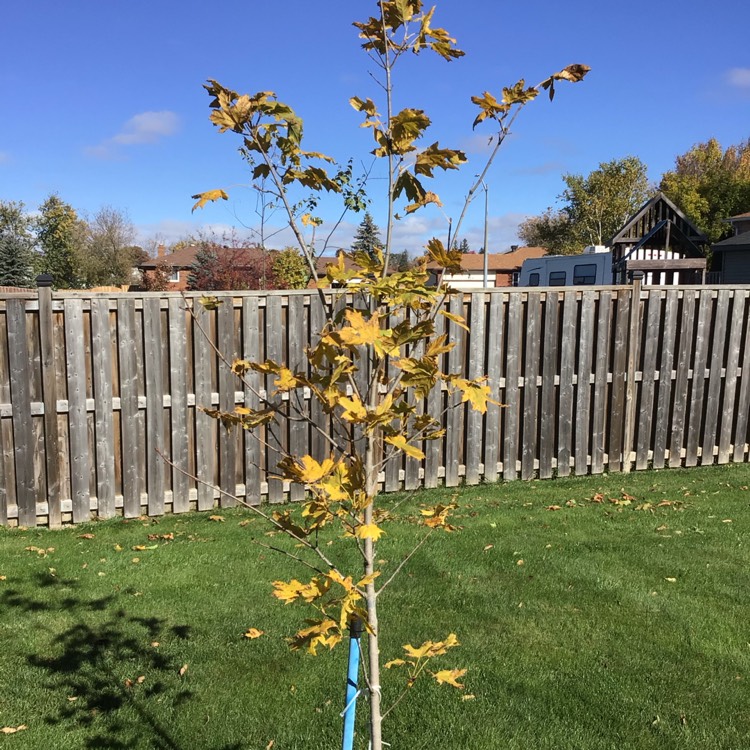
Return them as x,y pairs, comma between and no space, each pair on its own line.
378,355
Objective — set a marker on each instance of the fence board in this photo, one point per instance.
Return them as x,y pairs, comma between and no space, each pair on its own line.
566,389
699,378
276,434
743,404
619,384
731,375
713,399
601,386
548,412
455,416
226,383
530,388
668,342
299,408
128,407
20,380
178,412
251,353
434,448
205,426
586,338
152,362
684,358
101,358
493,419
77,416
474,419
319,419
648,384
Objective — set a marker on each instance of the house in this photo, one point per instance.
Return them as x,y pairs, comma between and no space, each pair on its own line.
732,256
178,264
662,243
502,268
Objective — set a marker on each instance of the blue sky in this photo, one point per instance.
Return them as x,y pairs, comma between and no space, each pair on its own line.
103,101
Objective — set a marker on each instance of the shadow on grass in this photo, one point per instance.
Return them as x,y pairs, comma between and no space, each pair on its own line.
107,667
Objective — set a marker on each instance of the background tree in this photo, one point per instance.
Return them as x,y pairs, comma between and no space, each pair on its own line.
59,234
710,184
290,269
594,207
107,254
401,261
367,237
16,246
157,280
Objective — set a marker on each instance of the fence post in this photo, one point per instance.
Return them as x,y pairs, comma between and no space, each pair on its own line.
49,391
634,341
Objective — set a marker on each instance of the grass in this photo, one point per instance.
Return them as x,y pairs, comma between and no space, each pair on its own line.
597,626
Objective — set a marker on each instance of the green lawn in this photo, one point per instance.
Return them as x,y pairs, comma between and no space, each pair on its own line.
599,625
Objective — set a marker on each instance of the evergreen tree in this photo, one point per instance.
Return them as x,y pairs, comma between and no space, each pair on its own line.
59,234
16,243
368,236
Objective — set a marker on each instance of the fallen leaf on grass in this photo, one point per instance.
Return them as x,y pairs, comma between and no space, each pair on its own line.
253,633
85,536
519,562
142,547
487,546
13,730
671,580
183,669
597,498
216,518
72,698
3,578
270,744
727,520
468,697
553,507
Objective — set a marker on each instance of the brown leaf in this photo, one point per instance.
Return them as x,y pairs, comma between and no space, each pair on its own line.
270,744
216,518
85,536
183,669
554,507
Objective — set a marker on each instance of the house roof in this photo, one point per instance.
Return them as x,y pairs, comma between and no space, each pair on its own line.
738,242
496,261
184,257
746,215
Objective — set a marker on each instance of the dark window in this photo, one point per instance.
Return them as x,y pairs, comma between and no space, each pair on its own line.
533,279
557,278
584,273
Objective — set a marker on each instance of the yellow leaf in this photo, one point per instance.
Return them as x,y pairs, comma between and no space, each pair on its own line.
368,531
394,663
183,669
216,518
450,677
671,580
253,633
368,579
361,331
208,196
354,410
13,730
285,381
400,442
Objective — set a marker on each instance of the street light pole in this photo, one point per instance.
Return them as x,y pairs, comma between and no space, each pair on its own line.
486,213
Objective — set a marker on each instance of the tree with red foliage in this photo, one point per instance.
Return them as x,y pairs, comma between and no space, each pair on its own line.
231,268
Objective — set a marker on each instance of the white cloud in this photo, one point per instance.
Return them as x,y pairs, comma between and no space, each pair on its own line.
143,128
738,78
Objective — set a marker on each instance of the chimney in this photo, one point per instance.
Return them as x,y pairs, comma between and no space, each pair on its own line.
513,248
161,251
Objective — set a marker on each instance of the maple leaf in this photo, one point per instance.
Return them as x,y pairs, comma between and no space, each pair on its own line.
476,392
450,677
253,633
208,196
400,442
368,531
360,331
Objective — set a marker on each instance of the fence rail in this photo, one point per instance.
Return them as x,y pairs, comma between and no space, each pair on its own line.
96,388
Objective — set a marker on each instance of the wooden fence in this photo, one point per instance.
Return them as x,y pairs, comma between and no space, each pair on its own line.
93,387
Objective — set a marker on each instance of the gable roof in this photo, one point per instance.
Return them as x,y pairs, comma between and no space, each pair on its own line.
660,219
738,242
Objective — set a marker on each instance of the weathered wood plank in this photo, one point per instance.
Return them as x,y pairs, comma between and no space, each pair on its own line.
619,381
276,433
474,419
566,387
682,382
548,411
455,416
131,481
743,404
601,386
205,426
434,448
586,337
495,358
631,386
319,419
530,390
394,458
20,379
299,408
154,377
101,350
80,470
227,383
668,348
713,399
726,425
697,405
512,410
412,466
251,353
49,391
178,412
651,338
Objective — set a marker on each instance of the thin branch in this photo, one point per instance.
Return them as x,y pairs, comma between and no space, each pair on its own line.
405,560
